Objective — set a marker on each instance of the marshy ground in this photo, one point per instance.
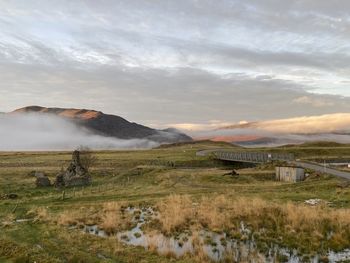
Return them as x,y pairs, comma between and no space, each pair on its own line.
191,199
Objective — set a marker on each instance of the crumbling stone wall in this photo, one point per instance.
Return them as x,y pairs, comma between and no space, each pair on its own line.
75,175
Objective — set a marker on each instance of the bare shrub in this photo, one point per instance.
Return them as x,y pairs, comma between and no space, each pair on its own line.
87,158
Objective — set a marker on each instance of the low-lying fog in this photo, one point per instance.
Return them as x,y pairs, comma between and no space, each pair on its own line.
30,132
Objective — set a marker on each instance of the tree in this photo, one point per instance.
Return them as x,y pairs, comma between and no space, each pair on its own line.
87,158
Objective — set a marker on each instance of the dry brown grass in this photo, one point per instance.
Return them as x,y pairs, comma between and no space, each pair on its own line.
111,222
111,218
114,219
80,216
112,206
218,212
199,254
175,212
294,222
40,214
212,212
68,218
7,220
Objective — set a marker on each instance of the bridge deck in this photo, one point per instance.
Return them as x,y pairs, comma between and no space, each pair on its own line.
252,157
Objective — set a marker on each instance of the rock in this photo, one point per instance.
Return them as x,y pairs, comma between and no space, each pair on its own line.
75,175
232,173
42,180
39,174
9,196
312,202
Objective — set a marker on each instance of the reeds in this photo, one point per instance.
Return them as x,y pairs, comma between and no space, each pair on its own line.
175,212
278,220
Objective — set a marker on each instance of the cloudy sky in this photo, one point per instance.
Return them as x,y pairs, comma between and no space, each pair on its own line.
162,62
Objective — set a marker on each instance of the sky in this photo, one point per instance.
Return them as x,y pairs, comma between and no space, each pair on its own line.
171,63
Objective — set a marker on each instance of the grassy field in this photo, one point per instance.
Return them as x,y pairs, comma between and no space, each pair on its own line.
190,193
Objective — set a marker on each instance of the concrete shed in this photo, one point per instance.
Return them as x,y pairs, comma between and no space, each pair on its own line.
290,174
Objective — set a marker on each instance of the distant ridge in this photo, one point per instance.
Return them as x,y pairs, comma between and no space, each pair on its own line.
109,125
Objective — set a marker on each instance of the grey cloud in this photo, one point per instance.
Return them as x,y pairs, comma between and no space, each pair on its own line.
150,61
162,96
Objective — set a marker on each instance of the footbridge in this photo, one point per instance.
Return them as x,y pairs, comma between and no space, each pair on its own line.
248,157
252,157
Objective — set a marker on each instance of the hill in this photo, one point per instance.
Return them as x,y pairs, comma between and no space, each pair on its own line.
109,125
322,144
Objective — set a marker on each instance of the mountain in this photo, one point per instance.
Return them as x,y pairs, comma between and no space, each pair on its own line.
109,125
266,142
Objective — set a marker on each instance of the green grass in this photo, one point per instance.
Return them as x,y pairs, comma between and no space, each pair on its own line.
136,177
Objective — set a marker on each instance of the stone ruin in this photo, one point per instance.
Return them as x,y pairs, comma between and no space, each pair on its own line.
75,175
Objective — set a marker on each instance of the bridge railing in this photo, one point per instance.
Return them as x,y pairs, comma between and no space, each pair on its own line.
253,157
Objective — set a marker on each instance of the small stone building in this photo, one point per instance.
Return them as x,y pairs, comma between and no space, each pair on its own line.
290,174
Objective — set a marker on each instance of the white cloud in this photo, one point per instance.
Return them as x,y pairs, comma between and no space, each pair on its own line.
339,122
316,102
45,132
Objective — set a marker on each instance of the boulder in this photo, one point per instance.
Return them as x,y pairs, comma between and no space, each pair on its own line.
39,174
42,180
12,196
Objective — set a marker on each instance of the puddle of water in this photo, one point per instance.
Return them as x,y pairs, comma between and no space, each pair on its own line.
217,246
95,230
164,245
340,256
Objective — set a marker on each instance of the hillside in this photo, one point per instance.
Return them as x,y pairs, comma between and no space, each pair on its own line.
109,125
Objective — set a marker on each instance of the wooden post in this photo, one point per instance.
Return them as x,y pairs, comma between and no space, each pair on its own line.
63,195
14,209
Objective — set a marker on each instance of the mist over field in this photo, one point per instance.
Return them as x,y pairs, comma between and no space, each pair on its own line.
31,132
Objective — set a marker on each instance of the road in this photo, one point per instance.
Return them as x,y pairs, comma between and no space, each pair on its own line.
322,169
